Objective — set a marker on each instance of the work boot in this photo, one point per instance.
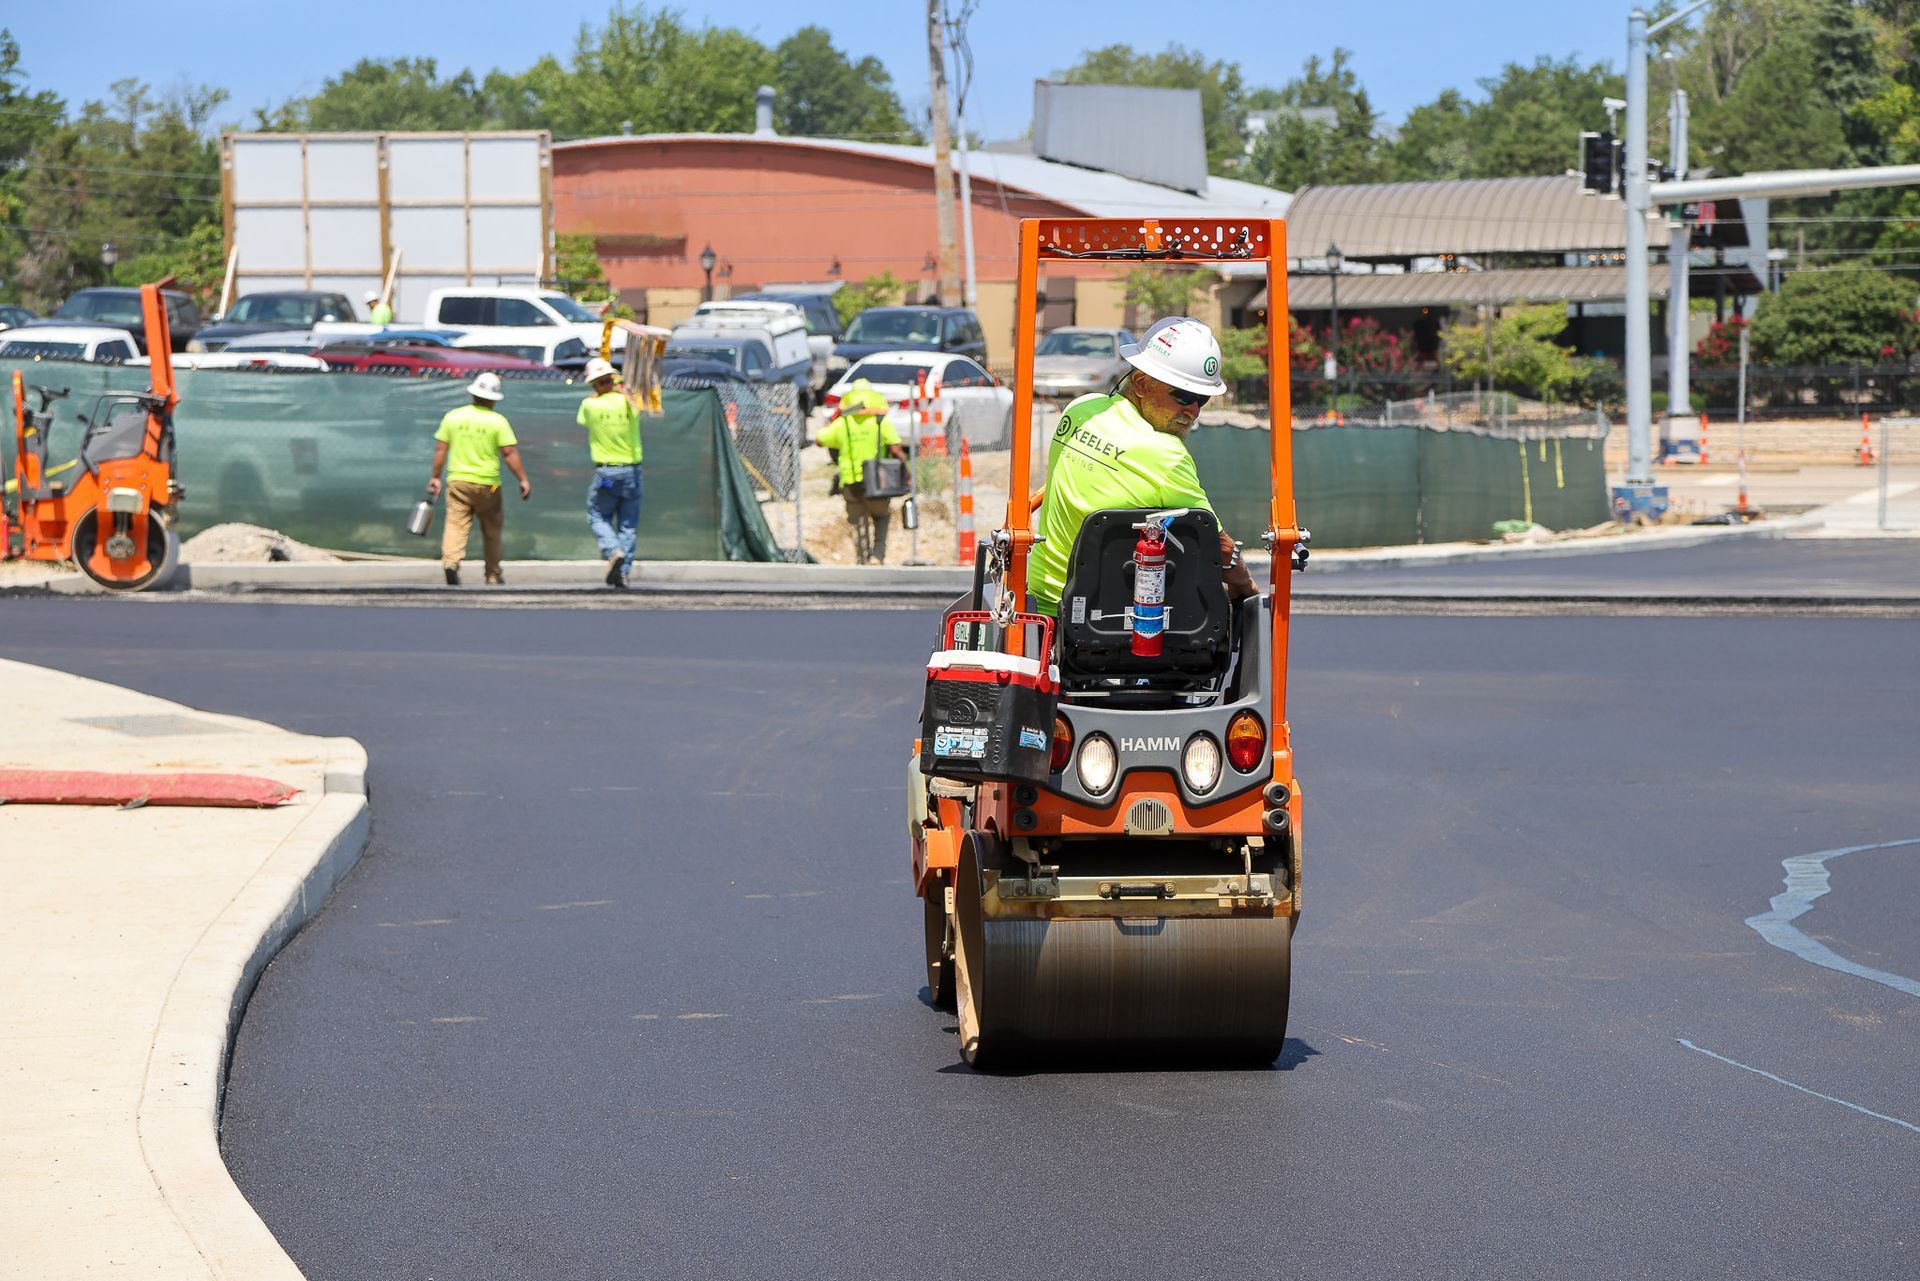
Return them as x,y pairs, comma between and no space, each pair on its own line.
617,569
453,575
496,579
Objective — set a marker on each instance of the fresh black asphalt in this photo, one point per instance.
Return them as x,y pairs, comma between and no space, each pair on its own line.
1771,567
627,984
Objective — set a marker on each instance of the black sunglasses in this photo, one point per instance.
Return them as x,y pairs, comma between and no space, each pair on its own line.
1188,398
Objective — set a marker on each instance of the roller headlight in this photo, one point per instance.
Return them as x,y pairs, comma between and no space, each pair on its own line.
1097,763
1201,763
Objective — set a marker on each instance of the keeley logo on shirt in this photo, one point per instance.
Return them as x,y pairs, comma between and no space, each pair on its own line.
1089,441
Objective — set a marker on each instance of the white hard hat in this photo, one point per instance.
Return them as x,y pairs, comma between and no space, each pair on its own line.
1180,352
373,295
486,387
598,369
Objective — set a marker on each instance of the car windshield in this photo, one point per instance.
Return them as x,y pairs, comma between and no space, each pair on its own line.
568,308
725,355
895,326
58,350
272,309
110,309
1057,344
892,373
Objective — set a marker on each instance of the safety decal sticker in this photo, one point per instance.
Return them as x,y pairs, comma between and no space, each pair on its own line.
1033,738
952,741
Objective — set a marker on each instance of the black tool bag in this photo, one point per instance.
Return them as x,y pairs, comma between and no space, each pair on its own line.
884,478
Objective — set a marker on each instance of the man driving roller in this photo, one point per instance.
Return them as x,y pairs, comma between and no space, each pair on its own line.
1125,449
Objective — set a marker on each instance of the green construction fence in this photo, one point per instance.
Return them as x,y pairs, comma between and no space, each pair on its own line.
1386,486
337,460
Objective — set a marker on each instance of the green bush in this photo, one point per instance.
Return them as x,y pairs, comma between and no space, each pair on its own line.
1854,316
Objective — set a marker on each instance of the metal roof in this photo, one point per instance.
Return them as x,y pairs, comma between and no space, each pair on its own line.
1093,192
1469,216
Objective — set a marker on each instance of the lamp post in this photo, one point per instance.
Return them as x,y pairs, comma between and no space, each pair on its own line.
1334,259
707,259
834,271
109,255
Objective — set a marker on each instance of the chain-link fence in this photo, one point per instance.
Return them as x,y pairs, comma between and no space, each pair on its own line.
1896,445
768,431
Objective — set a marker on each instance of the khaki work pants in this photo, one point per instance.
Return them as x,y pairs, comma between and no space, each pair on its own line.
869,518
466,503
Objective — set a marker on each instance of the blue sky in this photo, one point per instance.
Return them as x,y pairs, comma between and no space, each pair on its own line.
1404,52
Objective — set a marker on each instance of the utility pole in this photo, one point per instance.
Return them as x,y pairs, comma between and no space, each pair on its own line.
956,25
1682,435
942,157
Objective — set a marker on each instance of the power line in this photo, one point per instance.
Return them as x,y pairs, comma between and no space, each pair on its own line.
132,173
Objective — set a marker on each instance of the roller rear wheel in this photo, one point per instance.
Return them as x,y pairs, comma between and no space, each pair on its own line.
163,553
939,947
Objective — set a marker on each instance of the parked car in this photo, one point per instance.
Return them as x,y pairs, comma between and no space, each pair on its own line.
11,315
1078,360
695,372
511,307
387,358
768,347
983,404
267,312
783,312
298,340
231,359
45,341
120,308
954,329
553,347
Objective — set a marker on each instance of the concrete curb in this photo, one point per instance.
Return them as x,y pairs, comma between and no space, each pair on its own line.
743,578
178,1118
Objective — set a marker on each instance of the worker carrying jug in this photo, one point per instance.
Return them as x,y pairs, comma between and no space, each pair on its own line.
1126,449
859,435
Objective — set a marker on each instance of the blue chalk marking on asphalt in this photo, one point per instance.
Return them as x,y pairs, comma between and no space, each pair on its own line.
1878,1116
1807,881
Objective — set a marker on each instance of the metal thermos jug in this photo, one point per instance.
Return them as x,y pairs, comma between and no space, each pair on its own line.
910,514
421,519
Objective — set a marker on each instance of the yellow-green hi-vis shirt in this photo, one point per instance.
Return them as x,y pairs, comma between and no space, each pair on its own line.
474,439
613,429
858,436
1104,454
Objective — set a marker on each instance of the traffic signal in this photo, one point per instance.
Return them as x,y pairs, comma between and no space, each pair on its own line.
1596,162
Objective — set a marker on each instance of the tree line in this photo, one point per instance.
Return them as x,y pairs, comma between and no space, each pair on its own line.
1774,84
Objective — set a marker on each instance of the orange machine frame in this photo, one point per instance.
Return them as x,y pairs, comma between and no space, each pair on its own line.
48,524
1163,240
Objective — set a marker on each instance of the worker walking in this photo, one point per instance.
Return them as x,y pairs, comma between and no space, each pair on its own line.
612,419
1128,449
859,432
378,312
472,442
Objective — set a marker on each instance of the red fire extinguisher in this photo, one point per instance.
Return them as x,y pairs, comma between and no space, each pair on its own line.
1148,617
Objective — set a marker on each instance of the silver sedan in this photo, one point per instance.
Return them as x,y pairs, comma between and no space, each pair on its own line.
1077,360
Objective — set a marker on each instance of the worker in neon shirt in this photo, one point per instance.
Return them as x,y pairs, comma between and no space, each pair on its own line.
860,431
1125,449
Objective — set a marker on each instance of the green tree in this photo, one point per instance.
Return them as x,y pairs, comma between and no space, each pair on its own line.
579,269
1531,120
1515,349
1323,129
1154,292
383,94
645,70
824,94
1221,108
883,290
1852,316
197,261
1435,143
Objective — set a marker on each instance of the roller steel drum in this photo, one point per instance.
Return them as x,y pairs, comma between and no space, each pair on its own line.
1192,988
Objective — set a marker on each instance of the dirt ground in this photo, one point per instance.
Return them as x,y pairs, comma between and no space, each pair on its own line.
830,539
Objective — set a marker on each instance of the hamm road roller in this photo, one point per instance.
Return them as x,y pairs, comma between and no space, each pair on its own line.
1103,813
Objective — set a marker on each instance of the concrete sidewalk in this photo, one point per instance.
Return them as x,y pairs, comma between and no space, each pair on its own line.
131,940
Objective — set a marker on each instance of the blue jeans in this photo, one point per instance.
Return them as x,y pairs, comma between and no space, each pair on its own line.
613,509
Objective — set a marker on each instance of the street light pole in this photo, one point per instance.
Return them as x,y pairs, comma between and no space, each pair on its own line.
1334,260
707,259
109,255
1682,434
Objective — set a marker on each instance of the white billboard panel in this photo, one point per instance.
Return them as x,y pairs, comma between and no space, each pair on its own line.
317,211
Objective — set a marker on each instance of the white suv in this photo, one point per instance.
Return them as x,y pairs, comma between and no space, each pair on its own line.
531,313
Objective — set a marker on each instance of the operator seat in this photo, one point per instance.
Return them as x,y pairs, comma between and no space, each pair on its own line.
1095,643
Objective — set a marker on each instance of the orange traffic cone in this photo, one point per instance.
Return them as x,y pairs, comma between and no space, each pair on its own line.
965,519
1703,439
1866,442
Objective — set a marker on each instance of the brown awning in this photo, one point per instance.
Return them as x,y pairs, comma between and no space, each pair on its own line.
1382,291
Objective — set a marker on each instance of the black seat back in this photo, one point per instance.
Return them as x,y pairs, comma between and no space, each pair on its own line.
1094,637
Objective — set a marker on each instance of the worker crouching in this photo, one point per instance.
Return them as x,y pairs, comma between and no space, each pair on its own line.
860,434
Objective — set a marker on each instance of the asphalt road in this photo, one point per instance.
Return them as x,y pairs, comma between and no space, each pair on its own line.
628,983
1786,567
